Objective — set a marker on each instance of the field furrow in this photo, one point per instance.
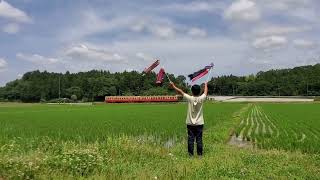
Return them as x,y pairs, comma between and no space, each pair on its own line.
284,126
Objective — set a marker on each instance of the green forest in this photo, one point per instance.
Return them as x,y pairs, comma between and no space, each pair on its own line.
94,85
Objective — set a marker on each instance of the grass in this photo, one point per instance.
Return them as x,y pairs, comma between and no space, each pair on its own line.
282,126
134,141
97,123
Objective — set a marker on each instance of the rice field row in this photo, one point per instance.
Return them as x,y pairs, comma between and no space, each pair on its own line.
282,126
155,122
134,141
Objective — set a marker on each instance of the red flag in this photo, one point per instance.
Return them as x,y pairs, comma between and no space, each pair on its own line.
160,76
152,66
199,74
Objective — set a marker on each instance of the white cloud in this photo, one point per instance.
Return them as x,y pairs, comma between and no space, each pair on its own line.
176,54
197,32
295,10
242,10
3,64
168,31
268,30
270,42
194,6
144,56
163,31
261,63
139,26
283,5
156,26
11,28
302,43
37,59
84,53
9,12
92,23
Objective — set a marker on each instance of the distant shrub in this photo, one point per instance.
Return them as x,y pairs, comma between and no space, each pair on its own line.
61,100
85,99
4,100
317,98
74,98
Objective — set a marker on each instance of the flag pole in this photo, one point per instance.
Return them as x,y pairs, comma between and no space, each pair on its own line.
209,74
165,71
166,74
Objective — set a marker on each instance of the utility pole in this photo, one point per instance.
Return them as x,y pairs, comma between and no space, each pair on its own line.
307,88
59,88
233,90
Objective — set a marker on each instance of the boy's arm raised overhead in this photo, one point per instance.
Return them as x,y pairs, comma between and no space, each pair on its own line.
205,88
177,89
203,97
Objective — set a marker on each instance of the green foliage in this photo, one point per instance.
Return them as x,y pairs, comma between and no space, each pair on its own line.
51,142
90,86
61,100
155,91
317,98
74,98
95,85
75,90
299,81
91,123
85,99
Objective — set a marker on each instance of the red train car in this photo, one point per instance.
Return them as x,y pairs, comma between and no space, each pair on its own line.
140,99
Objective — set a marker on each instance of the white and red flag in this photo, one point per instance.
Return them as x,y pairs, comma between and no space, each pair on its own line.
151,67
160,76
199,74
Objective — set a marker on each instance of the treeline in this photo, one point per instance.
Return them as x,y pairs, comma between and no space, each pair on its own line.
95,85
299,81
86,86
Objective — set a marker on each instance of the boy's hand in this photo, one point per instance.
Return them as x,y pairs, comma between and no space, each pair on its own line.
171,84
177,89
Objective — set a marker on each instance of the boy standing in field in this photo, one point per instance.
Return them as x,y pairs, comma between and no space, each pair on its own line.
194,118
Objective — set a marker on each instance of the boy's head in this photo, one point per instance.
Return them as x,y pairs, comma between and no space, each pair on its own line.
195,89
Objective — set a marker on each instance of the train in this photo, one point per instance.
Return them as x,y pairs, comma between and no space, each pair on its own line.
141,99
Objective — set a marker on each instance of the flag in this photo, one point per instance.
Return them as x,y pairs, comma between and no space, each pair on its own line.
199,74
151,67
160,76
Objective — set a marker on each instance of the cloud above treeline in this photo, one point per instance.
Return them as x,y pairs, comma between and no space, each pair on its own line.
3,64
242,36
12,18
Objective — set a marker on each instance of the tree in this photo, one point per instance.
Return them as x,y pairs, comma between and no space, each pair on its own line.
74,90
95,84
74,98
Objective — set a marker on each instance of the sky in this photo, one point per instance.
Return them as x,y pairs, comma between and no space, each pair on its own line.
239,36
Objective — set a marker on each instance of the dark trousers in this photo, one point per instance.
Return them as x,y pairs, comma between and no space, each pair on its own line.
195,133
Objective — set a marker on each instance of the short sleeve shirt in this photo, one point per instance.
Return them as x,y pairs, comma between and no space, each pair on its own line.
195,112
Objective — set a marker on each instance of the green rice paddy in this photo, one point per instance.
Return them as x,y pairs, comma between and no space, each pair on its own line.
148,141
288,126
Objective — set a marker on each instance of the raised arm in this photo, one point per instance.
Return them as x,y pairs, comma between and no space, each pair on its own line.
177,89
205,88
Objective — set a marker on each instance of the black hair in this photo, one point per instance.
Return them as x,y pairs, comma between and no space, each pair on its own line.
196,89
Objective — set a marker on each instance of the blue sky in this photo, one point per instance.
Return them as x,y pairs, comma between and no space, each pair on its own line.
239,36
